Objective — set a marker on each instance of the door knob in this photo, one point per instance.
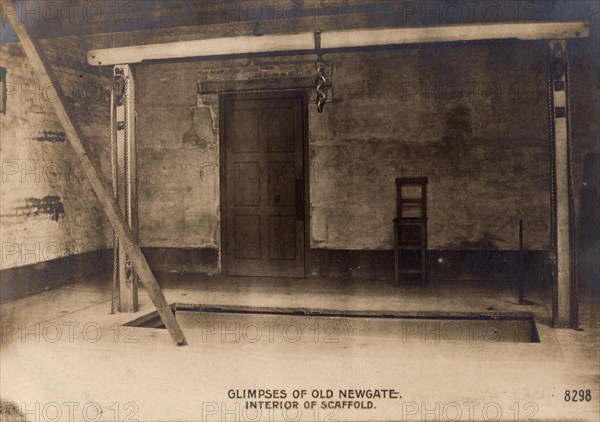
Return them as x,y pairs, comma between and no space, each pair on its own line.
277,198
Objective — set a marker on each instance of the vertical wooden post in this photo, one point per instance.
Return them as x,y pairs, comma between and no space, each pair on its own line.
561,304
127,184
61,107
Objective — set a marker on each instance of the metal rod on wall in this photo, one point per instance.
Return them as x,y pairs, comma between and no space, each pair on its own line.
521,265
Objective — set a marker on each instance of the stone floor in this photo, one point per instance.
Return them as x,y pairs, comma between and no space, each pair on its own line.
64,357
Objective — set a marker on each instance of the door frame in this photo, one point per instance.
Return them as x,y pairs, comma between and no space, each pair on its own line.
263,94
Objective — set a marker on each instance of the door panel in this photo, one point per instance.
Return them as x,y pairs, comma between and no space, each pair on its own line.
282,184
245,186
247,232
263,209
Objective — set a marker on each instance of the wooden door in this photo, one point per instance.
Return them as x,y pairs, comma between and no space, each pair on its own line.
263,183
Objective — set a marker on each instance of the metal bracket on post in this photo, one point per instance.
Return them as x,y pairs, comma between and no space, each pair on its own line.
126,181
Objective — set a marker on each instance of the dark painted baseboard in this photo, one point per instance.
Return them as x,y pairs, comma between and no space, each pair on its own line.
26,280
365,264
442,265
183,260
353,264
485,265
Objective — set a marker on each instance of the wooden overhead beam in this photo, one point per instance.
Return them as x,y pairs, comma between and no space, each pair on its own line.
305,42
43,69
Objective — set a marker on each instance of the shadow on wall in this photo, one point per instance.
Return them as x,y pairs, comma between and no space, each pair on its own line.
200,133
458,124
487,242
589,224
51,205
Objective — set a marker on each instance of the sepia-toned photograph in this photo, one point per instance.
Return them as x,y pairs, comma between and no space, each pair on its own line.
299,210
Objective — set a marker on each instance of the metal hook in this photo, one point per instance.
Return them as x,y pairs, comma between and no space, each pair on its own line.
320,67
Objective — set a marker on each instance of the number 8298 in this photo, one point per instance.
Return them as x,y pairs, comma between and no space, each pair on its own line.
578,395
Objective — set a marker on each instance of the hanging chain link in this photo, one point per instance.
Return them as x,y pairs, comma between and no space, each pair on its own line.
126,149
127,181
113,169
321,81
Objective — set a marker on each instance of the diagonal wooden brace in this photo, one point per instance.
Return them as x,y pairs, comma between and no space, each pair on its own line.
43,69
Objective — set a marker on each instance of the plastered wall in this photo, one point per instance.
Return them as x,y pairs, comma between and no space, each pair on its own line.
471,118
47,207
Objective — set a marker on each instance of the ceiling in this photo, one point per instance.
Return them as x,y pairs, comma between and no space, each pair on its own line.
60,18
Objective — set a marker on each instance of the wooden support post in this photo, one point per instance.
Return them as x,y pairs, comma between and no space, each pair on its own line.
62,109
127,184
561,304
